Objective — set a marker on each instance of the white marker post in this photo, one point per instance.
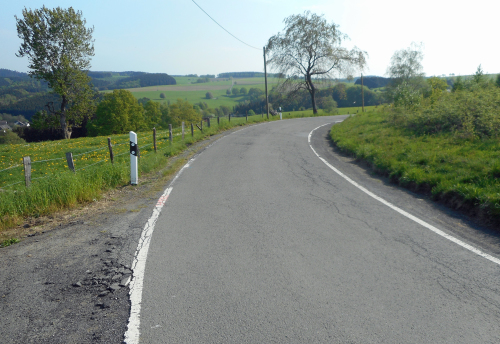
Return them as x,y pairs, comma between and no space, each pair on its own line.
281,117
134,175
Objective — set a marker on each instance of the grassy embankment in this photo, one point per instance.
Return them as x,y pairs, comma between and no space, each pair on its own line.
54,187
462,172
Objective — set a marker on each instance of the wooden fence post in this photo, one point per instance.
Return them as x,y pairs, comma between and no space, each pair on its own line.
154,138
201,126
208,122
229,118
246,116
218,120
170,133
182,131
27,170
69,159
192,130
111,156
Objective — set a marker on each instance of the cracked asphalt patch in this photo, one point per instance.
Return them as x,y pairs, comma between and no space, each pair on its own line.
67,281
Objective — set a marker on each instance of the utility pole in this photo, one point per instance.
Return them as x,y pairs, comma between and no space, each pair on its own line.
362,94
265,76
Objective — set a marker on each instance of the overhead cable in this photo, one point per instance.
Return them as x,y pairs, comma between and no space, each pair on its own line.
223,27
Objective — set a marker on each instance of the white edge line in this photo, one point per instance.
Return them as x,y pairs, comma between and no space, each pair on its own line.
132,335
401,211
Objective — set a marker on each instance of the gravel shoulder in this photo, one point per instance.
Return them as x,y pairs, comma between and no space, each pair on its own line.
67,280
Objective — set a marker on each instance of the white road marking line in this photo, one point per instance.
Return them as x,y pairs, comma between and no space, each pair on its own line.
132,335
401,211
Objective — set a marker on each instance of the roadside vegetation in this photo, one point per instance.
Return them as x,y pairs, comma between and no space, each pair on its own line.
55,187
442,142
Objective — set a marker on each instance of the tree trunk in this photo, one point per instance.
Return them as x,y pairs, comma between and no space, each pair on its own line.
62,119
313,99
64,126
312,92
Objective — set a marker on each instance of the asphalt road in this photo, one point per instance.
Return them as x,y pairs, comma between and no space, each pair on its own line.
261,242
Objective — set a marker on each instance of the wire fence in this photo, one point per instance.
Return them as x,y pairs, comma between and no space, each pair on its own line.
157,142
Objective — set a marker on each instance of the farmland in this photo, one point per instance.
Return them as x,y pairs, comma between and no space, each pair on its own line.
188,89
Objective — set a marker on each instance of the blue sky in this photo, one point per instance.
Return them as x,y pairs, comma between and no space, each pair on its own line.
176,37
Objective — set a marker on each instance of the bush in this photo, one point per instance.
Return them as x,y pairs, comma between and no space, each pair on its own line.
467,113
327,104
162,95
10,137
209,95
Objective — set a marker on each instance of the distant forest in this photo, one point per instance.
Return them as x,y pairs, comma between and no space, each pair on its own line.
22,95
111,81
246,75
373,81
7,73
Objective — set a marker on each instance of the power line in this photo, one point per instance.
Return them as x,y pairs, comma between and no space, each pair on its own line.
223,27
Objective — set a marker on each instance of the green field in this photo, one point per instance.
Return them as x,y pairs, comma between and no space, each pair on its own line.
188,89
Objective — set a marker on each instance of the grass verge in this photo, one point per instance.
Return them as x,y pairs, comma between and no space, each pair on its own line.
464,174
63,189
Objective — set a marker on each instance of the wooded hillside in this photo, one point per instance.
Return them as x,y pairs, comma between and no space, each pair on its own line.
22,95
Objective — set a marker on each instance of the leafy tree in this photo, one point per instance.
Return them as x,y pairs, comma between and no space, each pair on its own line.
143,101
255,92
209,95
162,95
339,92
327,104
118,113
235,91
406,65
478,77
165,115
225,109
437,86
183,111
311,47
406,96
228,92
9,137
407,75
152,114
243,91
201,106
59,47
458,85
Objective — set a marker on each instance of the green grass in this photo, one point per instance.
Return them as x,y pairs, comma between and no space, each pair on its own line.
55,187
188,89
9,242
192,97
461,173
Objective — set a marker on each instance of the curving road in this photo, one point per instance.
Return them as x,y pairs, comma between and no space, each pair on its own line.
261,242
